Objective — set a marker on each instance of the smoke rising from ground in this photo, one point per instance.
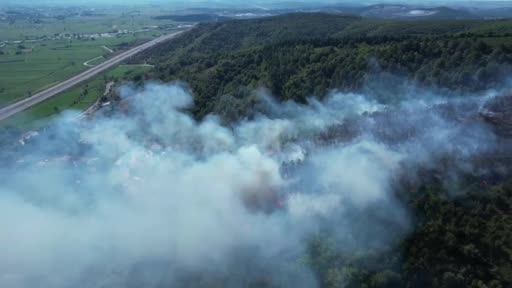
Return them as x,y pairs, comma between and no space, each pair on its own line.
151,197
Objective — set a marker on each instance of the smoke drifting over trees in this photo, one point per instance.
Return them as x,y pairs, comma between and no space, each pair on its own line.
150,197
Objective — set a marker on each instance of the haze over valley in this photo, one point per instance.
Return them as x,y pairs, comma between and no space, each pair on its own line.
255,144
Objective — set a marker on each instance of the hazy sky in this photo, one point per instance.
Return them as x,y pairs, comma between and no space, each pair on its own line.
260,3
245,2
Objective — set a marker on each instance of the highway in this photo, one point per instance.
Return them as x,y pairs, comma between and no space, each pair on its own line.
24,104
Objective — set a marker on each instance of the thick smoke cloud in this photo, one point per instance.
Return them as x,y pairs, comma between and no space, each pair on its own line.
151,197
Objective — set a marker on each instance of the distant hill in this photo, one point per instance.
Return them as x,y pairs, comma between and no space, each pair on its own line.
193,18
413,12
494,13
381,11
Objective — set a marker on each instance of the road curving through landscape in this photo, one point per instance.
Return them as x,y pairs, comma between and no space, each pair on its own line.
24,104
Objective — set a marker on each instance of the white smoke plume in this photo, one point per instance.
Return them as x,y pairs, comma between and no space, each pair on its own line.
151,197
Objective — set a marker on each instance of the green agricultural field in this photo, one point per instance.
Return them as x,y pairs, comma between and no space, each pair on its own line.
30,67
24,29
74,99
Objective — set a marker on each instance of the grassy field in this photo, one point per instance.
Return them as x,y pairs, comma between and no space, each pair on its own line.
35,66
23,29
29,65
40,114
34,58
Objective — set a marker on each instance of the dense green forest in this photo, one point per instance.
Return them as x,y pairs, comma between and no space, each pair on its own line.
298,56
461,241
457,242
